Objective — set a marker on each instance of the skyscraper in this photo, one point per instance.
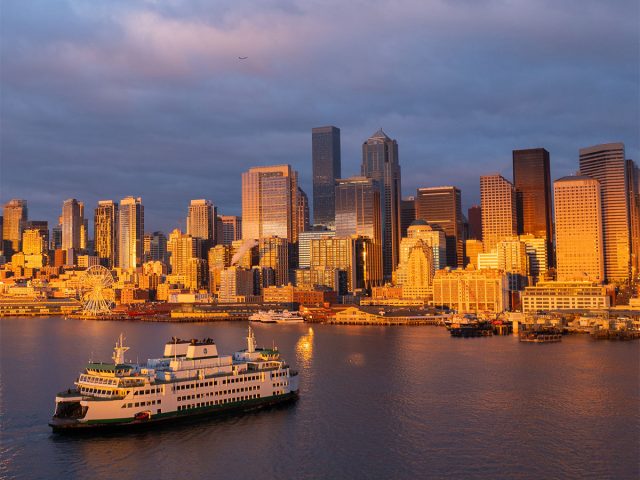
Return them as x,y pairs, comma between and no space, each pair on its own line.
304,244
532,182
325,152
442,207
302,204
201,223
497,198
380,162
185,250
578,223
633,180
72,224
105,232
358,213
474,215
269,199
231,229
130,233
273,254
15,216
407,214
43,228
606,163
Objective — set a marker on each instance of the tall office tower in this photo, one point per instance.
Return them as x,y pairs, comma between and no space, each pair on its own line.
33,242
474,216
432,237
442,207
130,233
358,212
201,223
231,229
72,222
302,203
325,153
269,198
497,198
537,250
15,216
273,253
219,258
407,214
304,244
43,228
184,249
84,228
606,163
532,181
633,182
105,232
158,247
56,235
351,255
578,226
380,162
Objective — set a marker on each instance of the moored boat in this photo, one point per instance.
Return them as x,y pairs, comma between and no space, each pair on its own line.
276,317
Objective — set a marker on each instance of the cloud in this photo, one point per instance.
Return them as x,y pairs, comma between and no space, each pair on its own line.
107,99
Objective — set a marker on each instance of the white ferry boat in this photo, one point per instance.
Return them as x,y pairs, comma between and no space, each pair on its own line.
190,379
276,317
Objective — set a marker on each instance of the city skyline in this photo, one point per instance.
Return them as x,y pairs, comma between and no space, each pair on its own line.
184,122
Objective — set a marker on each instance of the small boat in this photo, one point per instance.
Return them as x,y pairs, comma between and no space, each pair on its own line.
276,317
541,335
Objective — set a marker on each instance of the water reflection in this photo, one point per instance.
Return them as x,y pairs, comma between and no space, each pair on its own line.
304,349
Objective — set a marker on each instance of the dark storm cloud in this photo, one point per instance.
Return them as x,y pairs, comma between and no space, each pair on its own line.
107,99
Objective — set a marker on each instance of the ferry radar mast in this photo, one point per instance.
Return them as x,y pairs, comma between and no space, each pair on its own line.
118,351
251,341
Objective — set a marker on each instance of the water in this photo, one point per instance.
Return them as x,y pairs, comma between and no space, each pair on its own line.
376,402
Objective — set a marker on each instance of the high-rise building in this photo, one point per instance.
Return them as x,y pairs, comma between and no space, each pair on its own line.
33,242
578,227
380,162
231,229
130,233
304,244
15,216
43,228
155,248
606,163
72,224
325,153
474,217
84,229
56,235
273,254
633,180
442,207
407,214
473,248
105,232
302,204
201,223
185,250
269,200
432,237
537,250
358,212
497,198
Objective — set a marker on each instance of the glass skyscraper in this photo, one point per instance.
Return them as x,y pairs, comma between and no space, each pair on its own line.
325,151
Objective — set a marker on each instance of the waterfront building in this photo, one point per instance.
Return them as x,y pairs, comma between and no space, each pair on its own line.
326,163
273,253
358,213
201,224
269,203
302,204
72,222
407,214
474,217
15,216
471,291
549,296
472,249
105,232
130,233
442,207
304,244
313,277
578,226
532,183
380,162
497,198
606,163
231,229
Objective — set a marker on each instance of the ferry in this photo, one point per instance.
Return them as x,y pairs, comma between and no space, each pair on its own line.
276,317
190,379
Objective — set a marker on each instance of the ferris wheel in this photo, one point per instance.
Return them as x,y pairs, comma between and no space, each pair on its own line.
93,283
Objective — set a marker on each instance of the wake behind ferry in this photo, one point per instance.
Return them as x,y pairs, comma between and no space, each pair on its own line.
190,379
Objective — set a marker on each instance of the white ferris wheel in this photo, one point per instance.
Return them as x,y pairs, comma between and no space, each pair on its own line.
93,283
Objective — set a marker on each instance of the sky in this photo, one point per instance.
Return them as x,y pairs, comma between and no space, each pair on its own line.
101,99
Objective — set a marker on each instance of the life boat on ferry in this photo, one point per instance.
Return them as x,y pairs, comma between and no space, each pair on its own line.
142,416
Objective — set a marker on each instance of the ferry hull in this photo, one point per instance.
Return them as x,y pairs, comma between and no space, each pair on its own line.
60,425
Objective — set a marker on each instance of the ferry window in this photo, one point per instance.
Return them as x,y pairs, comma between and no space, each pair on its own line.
137,404
159,402
129,405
